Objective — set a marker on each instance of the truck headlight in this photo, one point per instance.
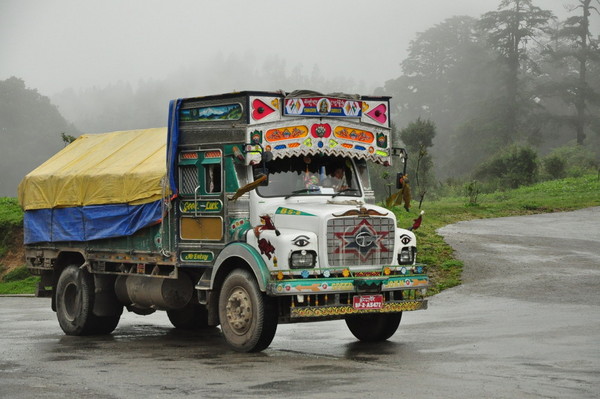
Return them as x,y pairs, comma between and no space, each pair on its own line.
406,256
303,259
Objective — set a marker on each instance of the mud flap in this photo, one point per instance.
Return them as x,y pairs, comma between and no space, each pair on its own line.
105,299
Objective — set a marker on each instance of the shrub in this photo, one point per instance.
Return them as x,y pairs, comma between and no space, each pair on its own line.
555,167
11,218
512,167
472,190
577,159
20,273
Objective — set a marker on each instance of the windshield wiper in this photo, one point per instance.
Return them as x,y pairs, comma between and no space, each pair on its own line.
303,191
343,191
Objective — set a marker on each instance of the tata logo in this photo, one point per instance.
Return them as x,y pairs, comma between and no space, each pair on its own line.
364,239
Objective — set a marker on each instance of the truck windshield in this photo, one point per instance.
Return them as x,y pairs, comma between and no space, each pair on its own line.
311,175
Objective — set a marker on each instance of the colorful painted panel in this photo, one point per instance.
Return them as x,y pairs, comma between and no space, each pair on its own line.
376,113
322,106
315,286
230,112
324,137
265,109
349,133
286,133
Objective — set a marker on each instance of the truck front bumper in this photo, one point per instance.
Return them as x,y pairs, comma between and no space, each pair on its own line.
321,298
347,285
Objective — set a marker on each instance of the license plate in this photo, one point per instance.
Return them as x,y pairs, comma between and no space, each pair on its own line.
368,302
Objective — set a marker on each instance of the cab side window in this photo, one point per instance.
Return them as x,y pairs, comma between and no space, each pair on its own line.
212,178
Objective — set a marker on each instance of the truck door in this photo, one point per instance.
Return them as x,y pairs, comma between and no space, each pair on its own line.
202,222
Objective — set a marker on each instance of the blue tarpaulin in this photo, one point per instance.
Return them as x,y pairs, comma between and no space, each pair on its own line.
173,142
89,222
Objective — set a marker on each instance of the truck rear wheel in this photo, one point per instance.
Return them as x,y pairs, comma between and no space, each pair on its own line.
248,317
373,327
75,301
75,304
104,325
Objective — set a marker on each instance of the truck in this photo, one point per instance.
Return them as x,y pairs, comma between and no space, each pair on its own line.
250,209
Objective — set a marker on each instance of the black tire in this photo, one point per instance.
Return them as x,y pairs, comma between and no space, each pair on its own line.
373,327
192,317
75,304
104,325
75,301
248,317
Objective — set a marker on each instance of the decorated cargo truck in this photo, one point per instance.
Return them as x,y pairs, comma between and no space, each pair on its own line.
251,209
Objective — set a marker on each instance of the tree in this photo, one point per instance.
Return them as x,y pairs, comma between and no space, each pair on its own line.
447,77
441,73
418,137
508,30
29,123
575,49
67,138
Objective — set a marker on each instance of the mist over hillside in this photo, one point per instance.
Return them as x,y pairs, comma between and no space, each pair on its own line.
144,104
30,132
478,97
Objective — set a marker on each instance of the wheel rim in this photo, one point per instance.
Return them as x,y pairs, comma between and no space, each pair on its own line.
239,311
71,301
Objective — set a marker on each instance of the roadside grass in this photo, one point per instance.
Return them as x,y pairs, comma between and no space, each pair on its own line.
11,218
25,286
18,280
443,268
549,196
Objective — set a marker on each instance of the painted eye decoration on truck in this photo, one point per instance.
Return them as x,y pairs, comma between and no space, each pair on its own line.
301,241
405,239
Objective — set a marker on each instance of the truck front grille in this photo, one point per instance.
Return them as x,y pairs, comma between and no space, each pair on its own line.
353,241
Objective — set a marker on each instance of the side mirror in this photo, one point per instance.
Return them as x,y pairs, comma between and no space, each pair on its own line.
267,156
262,174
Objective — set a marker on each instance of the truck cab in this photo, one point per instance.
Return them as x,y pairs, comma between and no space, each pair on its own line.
293,190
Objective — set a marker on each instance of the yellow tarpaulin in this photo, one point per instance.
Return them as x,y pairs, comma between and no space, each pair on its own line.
124,167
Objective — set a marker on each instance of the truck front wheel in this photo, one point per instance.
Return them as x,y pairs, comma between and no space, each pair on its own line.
373,327
248,317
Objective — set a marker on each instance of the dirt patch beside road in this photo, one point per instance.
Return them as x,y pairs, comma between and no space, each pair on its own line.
15,257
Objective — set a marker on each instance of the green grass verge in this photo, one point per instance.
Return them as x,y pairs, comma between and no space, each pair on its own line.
26,286
11,218
18,281
550,196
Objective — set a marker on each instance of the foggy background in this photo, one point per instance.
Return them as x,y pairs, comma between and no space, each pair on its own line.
87,67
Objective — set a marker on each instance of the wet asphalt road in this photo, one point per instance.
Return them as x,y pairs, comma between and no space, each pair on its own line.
525,324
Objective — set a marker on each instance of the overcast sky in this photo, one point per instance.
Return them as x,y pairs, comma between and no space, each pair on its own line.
59,44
